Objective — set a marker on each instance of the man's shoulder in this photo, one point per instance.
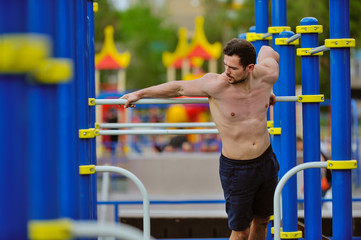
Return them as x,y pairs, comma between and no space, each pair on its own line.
211,76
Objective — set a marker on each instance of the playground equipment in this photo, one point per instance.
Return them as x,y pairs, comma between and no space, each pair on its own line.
47,102
109,59
192,56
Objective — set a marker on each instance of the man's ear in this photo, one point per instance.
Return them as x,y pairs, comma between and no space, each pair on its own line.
250,67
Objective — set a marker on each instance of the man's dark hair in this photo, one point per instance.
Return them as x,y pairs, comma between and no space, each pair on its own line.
243,49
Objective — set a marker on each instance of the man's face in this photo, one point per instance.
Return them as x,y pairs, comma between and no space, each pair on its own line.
235,72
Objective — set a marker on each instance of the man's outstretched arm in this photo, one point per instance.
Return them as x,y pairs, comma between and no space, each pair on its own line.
169,90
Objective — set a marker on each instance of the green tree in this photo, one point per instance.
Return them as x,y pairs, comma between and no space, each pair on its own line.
146,36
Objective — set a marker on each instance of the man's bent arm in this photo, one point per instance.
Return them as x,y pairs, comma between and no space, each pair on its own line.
267,52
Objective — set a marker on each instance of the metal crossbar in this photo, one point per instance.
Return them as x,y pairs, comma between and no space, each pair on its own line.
176,100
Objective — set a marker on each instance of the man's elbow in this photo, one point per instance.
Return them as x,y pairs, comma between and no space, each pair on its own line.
277,56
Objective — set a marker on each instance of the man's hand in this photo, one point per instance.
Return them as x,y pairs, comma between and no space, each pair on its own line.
130,97
272,99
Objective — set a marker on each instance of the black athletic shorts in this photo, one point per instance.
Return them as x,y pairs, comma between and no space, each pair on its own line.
248,187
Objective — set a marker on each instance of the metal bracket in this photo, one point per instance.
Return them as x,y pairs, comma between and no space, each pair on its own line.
311,98
91,101
291,235
88,133
252,36
306,52
21,53
283,41
309,29
340,43
341,164
95,7
54,70
86,169
59,229
30,54
278,29
97,125
270,124
275,131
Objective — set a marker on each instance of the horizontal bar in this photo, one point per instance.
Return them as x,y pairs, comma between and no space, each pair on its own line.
181,202
329,200
318,49
294,38
175,100
287,99
266,35
158,132
160,125
152,101
160,202
91,229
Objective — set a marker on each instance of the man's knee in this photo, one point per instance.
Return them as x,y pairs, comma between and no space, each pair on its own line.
239,235
261,221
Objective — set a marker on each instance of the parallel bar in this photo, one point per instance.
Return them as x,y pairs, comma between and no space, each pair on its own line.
278,192
91,229
294,38
161,125
177,100
158,132
163,202
318,49
142,189
153,101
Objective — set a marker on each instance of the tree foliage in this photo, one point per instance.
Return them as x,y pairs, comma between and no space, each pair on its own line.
145,35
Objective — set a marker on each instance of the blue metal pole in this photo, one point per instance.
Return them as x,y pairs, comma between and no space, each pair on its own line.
287,86
13,140
279,18
91,68
341,120
67,132
311,135
42,125
261,11
82,74
279,13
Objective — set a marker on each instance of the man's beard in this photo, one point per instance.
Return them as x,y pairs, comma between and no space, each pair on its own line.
239,81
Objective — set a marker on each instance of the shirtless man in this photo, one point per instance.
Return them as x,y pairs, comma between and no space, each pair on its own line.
238,101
